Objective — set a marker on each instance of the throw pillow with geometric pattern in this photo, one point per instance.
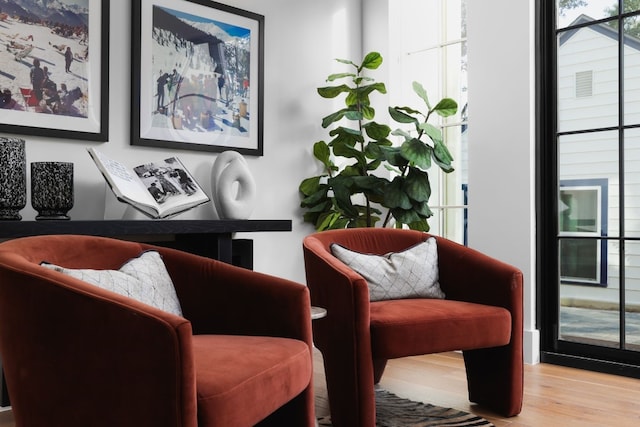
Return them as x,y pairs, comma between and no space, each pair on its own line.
144,278
412,273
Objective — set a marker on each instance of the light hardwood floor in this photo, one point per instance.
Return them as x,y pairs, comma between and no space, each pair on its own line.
554,396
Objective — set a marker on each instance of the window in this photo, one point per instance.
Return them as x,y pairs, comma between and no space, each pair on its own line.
432,49
583,213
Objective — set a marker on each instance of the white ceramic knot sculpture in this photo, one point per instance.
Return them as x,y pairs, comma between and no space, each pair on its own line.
233,186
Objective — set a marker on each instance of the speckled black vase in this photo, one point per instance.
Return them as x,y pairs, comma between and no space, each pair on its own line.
13,178
52,189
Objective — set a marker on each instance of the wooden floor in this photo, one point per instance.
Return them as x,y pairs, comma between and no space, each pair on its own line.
554,396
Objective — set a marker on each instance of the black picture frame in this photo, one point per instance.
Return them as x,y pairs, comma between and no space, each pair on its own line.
180,49
40,34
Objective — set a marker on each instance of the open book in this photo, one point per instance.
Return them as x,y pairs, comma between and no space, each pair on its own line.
160,189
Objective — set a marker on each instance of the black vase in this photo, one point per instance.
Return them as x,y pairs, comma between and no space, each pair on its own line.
52,189
13,178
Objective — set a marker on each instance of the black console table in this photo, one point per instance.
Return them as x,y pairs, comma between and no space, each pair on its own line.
211,238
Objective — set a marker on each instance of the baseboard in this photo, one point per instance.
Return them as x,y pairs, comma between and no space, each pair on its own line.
531,347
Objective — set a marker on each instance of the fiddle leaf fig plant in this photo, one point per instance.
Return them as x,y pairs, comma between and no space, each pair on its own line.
351,191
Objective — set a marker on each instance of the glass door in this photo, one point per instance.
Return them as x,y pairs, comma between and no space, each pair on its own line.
590,148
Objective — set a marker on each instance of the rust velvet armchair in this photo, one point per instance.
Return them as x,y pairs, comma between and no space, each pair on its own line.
75,354
481,315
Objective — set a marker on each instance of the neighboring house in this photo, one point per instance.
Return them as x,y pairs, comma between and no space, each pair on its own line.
588,163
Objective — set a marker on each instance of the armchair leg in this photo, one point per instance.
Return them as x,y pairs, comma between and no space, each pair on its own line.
378,369
298,412
495,379
350,390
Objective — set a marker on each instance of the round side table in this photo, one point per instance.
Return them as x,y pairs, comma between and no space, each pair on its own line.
318,312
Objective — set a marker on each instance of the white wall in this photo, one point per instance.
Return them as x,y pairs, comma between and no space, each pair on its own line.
502,137
299,54
302,38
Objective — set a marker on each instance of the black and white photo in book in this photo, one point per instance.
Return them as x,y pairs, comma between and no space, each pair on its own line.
197,80
160,189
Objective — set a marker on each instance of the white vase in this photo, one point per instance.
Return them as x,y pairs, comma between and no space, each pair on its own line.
233,187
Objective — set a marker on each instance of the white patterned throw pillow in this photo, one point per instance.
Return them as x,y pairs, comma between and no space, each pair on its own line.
412,273
144,278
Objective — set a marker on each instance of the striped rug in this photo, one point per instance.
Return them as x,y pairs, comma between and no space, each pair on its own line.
394,411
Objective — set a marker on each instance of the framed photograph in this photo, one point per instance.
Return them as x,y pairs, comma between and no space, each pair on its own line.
54,69
197,76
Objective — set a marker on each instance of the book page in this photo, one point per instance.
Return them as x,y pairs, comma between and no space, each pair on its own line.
170,184
124,183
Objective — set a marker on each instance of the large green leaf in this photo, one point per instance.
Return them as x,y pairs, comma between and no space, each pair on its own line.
323,206
373,150
395,197
309,186
368,112
446,107
421,225
346,136
336,76
332,91
311,217
417,152
405,216
441,154
422,209
351,100
346,61
374,165
376,131
351,170
333,117
354,115
371,184
321,152
433,132
422,93
399,116
342,194
348,151
327,222
371,61
394,156
417,185
358,80
318,197
403,133
345,130
365,91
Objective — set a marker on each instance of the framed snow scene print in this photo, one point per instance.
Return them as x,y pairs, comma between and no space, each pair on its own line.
197,76
54,68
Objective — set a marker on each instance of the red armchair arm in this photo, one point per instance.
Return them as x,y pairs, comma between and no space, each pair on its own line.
468,275
116,340
343,336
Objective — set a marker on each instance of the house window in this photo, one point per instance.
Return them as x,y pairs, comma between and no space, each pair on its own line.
582,207
584,84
